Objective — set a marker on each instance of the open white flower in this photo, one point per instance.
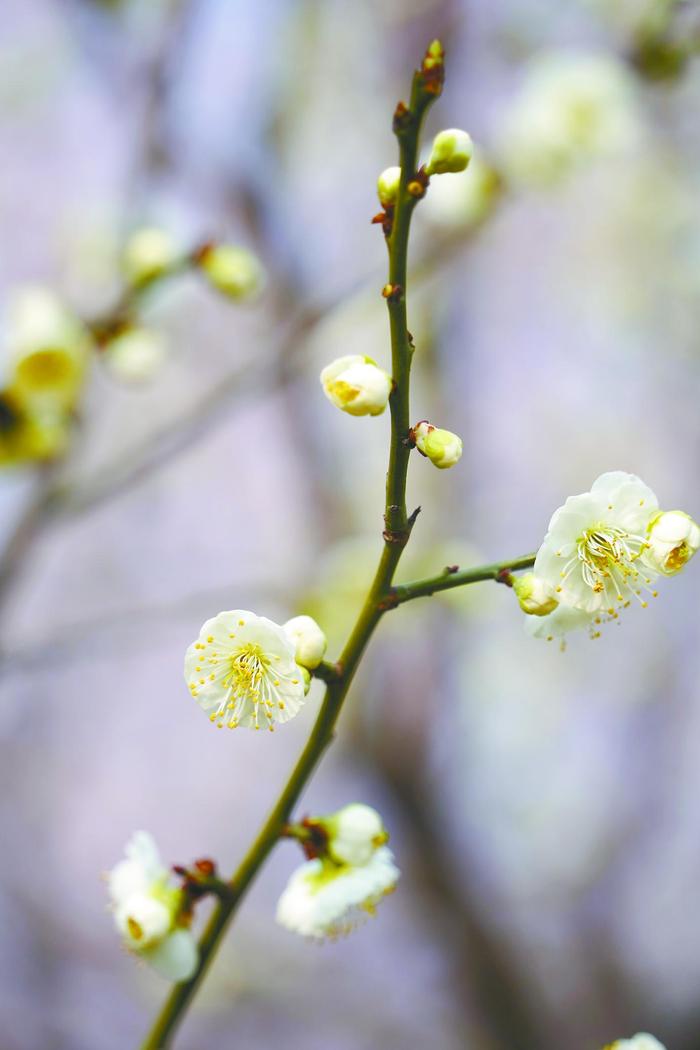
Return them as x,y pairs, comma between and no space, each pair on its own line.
592,555
641,1041
357,385
147,910
572,108
242,670
673,538
309,639
323,899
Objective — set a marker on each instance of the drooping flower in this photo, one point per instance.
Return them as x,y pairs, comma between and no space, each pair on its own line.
231,270
388,186
148,911
356,385
309,639
535,595
593,553
572,108
48,350
324,899
149,253
441,447
451,152
641,1041
242,670
672,540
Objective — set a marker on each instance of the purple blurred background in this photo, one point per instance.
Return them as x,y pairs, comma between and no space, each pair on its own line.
544,807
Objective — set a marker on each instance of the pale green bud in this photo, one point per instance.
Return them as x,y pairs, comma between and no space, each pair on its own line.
136,354
452,151
309,639
356,385
442,447
672,538
149,253
235,272
388,186
306,675
534,594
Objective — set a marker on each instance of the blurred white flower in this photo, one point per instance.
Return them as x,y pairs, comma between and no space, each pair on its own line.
572,108
233,271
673,539
388,186
324,899
592,555
634,17
242,669
149,253
535,595
147,910
47,348
441,447
136,355
309,639
451,152
356,385
641,1041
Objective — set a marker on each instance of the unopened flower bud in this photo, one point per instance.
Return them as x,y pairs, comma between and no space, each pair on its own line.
354,833
234,271
388,186
673,538
149,253
309,639
442,447
356,384
452,151
534,594
136,354
307,677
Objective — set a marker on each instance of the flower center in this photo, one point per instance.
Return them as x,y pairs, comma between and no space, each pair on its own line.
248,665
607,555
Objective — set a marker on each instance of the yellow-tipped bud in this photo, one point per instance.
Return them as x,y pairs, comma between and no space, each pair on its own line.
148,254
673,538
534,594
356,385
451,152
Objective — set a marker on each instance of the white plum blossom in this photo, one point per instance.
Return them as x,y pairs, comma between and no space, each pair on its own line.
147,911
354,833
441,447
593,553
672,540
309,639
357,385
535,596
242,670
573,108
323,899
451,152
641,1041
388,186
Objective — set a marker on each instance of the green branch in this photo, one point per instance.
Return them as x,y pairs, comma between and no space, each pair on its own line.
454,577
398,526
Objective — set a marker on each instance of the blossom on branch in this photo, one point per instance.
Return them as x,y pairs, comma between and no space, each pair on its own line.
242,671
148,911
309,639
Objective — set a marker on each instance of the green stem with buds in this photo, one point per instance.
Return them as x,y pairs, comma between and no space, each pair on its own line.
382,595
